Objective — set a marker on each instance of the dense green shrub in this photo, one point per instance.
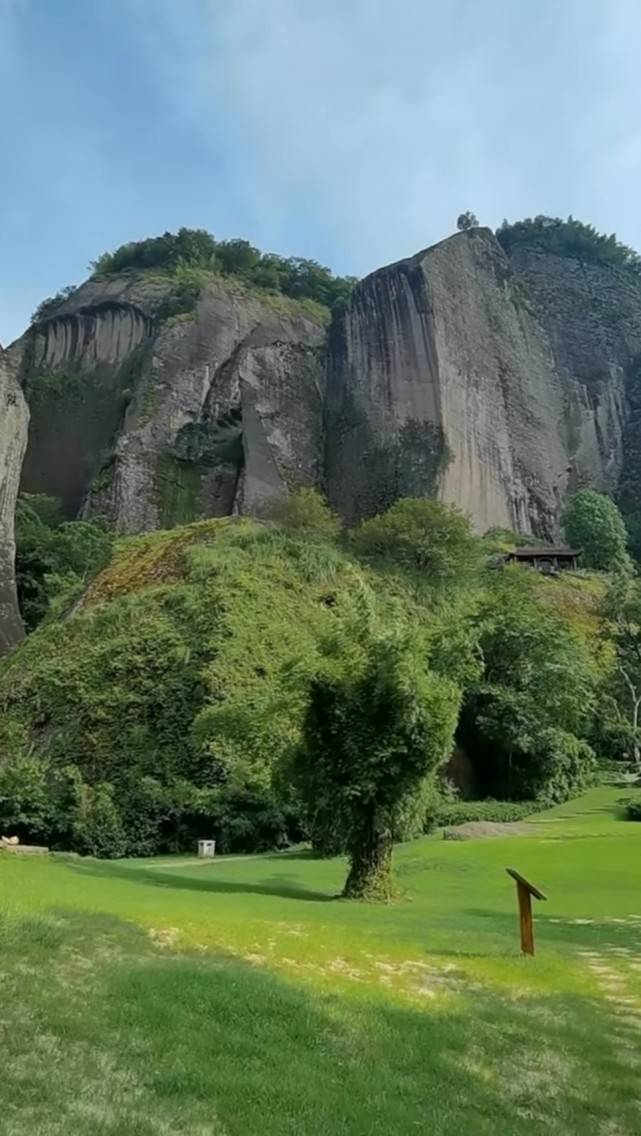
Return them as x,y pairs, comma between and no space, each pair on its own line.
180,685
26,807
525,719
447,813
592,522
305,513
195,248
569,238
424,536
54,557
97,827
49,307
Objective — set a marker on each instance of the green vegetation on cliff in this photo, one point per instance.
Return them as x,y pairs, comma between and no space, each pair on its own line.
173,701
569,238
296,277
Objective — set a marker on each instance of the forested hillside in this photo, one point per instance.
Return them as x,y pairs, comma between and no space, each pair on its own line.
166,697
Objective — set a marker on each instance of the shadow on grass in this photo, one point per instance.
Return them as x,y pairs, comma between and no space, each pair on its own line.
569,931
159,1042
274,885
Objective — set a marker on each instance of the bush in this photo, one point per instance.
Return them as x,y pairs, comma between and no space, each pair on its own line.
634,810
26,808
305,513
449,813
569,238
423,535
97,827
173,253
54,557
591,521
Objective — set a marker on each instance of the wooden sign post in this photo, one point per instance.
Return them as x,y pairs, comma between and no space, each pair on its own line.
525,891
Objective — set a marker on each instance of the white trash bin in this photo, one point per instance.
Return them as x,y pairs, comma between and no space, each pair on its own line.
206,848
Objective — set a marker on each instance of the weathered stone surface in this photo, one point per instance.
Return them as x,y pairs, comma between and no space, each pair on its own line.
14,418
460,374
153,423
497,384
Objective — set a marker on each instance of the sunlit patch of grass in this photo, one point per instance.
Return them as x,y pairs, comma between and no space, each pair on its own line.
240,997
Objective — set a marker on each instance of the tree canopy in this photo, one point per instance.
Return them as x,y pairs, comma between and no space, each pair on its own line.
293,276
377,722
527,715
423,535
592,522
53,557
569,238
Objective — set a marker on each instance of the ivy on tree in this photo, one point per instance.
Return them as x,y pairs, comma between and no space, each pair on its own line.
377,722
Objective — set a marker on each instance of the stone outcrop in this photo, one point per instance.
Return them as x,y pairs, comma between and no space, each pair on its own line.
14,418
499,386
154,421
499,383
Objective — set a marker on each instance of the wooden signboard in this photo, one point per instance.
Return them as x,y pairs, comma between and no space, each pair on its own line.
525,890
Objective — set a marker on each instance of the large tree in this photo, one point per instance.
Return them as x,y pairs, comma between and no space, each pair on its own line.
377,722
622,628
525,717
593,522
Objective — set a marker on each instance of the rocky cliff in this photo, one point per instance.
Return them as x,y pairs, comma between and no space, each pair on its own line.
152,421
498,384
14,418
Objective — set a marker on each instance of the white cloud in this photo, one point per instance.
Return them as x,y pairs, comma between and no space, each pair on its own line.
365,126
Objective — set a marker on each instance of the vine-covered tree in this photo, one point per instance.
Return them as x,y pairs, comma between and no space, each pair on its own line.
377,722
591,521
622,628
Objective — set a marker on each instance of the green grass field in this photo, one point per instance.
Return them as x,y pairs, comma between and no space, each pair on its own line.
158,997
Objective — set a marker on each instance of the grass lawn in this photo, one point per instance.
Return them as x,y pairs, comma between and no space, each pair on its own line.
174,998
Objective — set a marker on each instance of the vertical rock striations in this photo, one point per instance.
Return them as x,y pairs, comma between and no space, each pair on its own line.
14,418
154,421
459,373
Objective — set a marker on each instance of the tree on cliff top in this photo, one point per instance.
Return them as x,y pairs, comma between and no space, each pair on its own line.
591,521
377,722
466,221
570,238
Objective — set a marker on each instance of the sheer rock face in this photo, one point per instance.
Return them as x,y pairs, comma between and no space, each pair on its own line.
155,423
497,385
14,418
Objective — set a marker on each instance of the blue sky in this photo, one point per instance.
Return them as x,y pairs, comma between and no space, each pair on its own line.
351,131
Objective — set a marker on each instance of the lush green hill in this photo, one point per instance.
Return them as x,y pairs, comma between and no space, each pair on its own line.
168,701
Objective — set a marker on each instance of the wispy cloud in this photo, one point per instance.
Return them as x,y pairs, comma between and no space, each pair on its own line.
376,123
353,131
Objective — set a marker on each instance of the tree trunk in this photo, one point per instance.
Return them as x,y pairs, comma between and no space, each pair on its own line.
370,873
